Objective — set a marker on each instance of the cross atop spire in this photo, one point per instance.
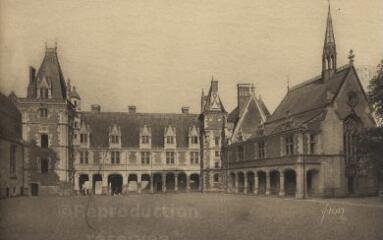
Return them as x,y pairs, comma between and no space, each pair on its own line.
329,39
329,48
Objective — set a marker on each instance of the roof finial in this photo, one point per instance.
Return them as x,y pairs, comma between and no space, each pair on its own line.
46,45
212,77
56,43
351,56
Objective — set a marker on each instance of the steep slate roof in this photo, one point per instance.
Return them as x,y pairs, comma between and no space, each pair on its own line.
50,70
131,123
310,95
233,116
212,100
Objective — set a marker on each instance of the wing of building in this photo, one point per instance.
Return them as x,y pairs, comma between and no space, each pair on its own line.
307,147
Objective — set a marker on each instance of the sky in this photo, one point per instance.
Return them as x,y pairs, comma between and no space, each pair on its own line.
159,54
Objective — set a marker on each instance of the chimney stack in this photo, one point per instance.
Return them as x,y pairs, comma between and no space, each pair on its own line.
245,90
132,109
185,110
95,108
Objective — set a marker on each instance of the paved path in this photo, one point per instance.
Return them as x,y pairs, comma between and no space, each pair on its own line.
189,216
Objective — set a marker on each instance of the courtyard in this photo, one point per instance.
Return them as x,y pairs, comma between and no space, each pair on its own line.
189,216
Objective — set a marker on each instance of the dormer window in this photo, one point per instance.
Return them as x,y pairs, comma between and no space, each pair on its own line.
84,138
193,137
115,136
194,140
145,137
170,137
170,140
115,139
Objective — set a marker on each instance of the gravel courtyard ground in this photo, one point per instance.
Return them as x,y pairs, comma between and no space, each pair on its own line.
189,216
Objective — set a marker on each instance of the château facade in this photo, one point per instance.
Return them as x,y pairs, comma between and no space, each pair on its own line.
306,147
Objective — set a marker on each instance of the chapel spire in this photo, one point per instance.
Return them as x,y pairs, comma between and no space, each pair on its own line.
329,48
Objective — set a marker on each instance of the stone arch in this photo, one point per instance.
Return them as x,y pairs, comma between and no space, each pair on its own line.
182,181
145,182
170,181
115,181
290,182
194,182
232,179
82,179
97,183
250,175
241,181
261,182
157,182
275,177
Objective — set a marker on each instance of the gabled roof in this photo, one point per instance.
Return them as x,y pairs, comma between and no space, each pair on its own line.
254,115
51,71
131,123
310,95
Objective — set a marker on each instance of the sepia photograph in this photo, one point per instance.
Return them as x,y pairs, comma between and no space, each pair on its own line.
191,120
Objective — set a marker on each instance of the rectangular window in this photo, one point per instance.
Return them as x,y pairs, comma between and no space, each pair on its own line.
312,144
217,140
170,140
216,164
44,141
170,158
43,112
115,157
241,153
194,157
289,145
216,153
145,158
12,160
83,138
261,150
145,139
194,140
84,157
44,165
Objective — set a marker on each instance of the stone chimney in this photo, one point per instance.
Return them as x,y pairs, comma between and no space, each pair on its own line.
132,109
244,92
95,108
185,110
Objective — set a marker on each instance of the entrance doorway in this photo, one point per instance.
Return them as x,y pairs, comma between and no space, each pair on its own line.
115,184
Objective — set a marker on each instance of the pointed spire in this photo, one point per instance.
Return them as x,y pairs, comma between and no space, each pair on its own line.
329,48
329,38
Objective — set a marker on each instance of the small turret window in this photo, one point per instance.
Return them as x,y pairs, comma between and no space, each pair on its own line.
44,92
